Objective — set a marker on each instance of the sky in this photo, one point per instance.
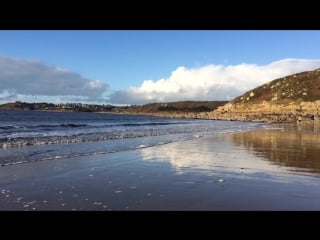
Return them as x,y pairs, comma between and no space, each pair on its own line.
123,67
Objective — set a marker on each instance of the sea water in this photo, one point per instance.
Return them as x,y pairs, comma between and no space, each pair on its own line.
27,136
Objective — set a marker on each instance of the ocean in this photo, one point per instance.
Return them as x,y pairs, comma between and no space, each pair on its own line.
76,161
27,136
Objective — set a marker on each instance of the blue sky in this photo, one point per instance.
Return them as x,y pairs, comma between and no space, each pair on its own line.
123,67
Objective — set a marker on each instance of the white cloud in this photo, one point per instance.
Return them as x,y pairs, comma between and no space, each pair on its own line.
32,81
7,95
95,84
212,82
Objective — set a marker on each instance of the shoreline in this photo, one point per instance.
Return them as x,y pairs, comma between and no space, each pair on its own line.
217,115
265,169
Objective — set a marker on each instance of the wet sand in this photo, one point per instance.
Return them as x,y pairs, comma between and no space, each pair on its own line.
270,169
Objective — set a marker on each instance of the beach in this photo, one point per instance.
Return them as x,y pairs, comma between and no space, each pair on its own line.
276,168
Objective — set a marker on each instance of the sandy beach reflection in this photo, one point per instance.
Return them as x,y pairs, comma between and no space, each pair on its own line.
292,146
289,148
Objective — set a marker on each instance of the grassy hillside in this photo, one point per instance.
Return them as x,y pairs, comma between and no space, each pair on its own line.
180,107
304,86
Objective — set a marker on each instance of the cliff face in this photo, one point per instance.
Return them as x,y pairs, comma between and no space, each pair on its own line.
294,98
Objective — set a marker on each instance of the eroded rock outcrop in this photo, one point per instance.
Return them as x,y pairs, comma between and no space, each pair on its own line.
269,112
294,98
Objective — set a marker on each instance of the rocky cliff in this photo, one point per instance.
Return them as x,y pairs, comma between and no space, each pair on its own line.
294,98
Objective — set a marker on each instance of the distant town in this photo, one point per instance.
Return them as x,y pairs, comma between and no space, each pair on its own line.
78,107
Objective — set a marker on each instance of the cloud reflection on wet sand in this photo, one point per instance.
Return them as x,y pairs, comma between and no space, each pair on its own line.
286,149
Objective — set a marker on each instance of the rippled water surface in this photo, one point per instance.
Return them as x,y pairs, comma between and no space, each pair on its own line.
34,136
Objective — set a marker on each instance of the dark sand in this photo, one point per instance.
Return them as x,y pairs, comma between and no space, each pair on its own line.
275,169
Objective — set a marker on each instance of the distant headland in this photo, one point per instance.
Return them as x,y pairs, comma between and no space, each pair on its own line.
170,109
294,98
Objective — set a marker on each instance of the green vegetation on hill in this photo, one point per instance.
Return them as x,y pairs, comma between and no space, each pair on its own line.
304,86
178,107
294,98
